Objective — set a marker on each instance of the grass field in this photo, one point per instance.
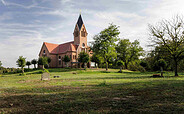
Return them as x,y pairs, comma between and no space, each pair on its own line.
91,91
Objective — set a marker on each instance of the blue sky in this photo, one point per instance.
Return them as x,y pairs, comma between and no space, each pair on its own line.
26,24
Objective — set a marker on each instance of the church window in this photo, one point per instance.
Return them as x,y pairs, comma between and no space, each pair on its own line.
75,57
43,51
83,45
59,60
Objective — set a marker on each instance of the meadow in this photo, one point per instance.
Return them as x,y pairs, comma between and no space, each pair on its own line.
92,91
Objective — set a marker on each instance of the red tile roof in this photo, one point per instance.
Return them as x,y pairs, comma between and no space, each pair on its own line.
52,48
60,48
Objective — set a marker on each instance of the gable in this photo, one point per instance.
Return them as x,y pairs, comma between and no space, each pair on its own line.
42,49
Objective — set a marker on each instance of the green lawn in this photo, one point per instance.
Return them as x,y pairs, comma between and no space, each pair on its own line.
91,91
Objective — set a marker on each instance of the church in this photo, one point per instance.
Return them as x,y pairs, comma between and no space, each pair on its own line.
72,49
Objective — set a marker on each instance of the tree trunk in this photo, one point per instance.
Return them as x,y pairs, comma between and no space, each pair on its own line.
106,65
67,64
35,66
85,65
43,67
176,67
28,66
22,70
120,69
161,71
126,66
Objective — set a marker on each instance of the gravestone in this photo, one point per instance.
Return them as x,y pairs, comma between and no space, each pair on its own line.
45,76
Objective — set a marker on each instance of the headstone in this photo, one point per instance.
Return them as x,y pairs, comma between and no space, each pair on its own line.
45,76
93,64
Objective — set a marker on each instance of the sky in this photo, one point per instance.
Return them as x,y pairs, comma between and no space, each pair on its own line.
26,24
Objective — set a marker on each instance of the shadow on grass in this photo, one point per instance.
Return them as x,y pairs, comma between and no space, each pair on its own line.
122,98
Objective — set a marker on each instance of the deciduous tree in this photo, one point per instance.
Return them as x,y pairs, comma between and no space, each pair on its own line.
128,51
66,59
43,61
170,34
28,63
34,62
104,43
21,62
83,58
120,64
0,64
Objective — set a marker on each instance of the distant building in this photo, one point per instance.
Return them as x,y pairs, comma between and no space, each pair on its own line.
57,51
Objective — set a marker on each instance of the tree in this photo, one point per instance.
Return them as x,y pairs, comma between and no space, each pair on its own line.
34,62
162,64
83,58
95,58
49,59
120,64
0,64
104,43
170,34
143,63
28,63
43,61
66,59
21,62
128,51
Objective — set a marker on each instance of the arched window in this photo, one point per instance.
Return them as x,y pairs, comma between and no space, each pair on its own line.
43,51
60,57
59,60
83,45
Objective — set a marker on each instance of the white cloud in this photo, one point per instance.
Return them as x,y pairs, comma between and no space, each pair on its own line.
26,39
4,3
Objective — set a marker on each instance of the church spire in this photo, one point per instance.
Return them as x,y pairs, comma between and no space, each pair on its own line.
80,22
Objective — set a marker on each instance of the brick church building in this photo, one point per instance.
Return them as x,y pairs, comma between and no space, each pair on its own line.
72,49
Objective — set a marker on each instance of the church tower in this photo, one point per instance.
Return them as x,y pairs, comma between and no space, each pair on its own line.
80,34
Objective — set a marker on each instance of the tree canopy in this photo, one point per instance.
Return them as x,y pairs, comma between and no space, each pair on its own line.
83,58
43,61
66,59
34,62
21,62
128,51
28,63
104,43
170,34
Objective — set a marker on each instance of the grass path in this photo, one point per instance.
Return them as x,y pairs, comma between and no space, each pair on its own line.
91,91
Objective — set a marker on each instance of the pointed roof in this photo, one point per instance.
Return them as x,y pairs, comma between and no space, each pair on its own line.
80,22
